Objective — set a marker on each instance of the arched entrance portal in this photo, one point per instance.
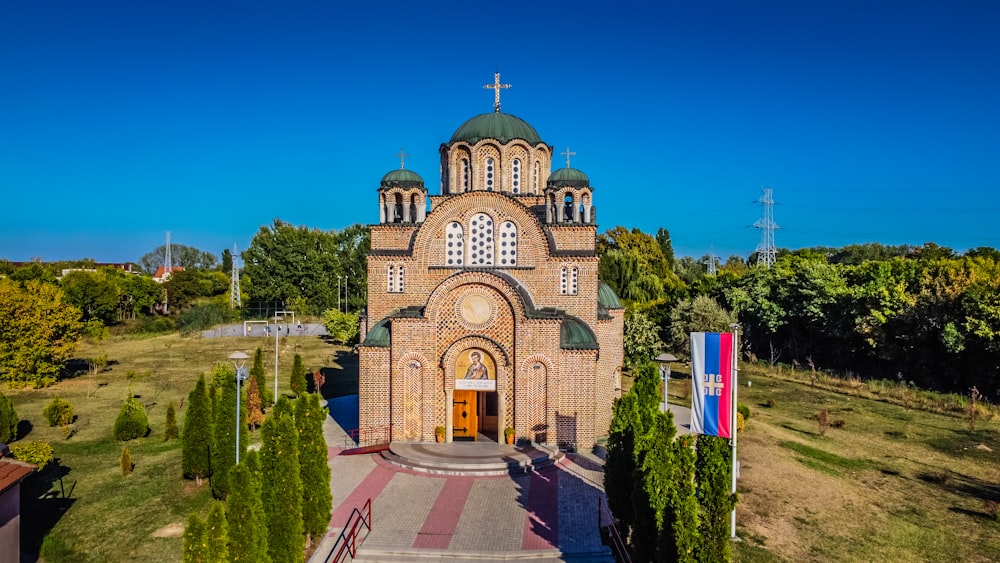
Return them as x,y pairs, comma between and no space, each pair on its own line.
475,406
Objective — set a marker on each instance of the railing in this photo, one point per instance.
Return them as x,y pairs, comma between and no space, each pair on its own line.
369,437
606,521
348,542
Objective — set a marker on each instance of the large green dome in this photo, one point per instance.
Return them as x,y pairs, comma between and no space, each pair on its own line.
568,177
495,125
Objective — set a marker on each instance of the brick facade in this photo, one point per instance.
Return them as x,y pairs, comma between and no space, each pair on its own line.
493,271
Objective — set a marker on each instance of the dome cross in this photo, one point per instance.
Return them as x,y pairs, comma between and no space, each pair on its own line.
402,158
568,154
496,87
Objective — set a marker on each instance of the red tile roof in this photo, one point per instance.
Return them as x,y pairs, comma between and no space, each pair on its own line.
12,471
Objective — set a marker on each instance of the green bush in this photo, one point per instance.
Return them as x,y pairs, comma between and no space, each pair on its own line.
39,453
59,412
744,410
8,420
132,421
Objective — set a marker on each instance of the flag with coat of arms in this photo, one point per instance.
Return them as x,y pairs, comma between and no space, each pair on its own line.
712,400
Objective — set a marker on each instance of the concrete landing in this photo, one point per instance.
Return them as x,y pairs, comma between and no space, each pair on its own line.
471,458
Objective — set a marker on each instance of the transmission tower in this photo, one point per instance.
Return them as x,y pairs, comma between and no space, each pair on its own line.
167,265
711,260
234,286
765,249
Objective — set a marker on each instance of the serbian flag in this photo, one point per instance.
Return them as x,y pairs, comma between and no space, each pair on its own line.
712,383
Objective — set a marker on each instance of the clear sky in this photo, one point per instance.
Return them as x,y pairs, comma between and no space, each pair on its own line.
871,121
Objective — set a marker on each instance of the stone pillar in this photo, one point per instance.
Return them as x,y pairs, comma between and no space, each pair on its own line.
381,208
421,208
449,414
501,415
576,208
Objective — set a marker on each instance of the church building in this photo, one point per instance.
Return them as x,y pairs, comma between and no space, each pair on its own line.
485,310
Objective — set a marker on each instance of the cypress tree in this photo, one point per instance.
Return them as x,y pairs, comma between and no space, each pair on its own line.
255,408
283,406
317,502
679,536
195,456
713,475
195,540
217,534
281,489
224,450
298,381
170,433
257,374
619,467
245,512
8,420
125,461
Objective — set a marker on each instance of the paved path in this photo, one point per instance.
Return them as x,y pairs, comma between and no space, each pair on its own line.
551,515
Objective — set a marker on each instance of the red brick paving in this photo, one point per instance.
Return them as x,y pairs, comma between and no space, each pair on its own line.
441,522
541,523
370,488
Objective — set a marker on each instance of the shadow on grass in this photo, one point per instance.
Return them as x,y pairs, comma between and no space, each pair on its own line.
44,500
962,485
800,431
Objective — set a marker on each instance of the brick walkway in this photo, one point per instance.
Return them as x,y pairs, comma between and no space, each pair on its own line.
546,516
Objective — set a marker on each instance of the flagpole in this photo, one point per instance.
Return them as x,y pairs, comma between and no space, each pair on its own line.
735,376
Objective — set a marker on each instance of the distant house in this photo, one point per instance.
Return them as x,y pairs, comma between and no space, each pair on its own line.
163,275
12,472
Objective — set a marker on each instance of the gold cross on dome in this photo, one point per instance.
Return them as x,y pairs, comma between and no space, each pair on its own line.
496,87
402,158
567,154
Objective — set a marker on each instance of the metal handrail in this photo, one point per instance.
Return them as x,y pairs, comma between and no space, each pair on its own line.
618,544
348,539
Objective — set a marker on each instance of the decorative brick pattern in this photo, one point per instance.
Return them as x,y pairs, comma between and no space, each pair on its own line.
444,309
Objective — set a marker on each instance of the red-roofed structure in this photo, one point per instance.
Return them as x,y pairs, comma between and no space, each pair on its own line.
12,472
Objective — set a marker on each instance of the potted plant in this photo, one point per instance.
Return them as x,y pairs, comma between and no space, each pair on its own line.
439,433
508,434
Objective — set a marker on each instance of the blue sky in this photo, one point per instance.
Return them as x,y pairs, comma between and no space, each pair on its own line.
871,121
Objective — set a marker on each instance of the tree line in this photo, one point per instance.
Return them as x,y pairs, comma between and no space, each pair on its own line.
926,315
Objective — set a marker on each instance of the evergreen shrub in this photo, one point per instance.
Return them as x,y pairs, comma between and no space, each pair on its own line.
8,420
39,453
132,421
58,412
744,410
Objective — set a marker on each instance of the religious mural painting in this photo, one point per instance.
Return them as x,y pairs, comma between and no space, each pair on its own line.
475,370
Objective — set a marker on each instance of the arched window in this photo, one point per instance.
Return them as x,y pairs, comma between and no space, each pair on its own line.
454,244
490,174
508,244
569,281
515,176
465,175
480,240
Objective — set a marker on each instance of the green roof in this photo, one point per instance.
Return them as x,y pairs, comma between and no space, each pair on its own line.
495,125
574,334
607,297
568,177
402,178
378,336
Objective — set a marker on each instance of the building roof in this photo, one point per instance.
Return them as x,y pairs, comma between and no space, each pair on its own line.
607,296
378,336
496,125
12,472
402,178
574,334
162,275
568,177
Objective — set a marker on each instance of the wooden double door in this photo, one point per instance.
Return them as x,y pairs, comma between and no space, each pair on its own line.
474,415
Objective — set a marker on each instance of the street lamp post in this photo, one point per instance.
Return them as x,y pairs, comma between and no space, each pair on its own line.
277,319
664,361
240,363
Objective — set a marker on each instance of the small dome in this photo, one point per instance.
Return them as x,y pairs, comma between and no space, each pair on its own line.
607,297
403,179
568,177
495,125
378,336
574,334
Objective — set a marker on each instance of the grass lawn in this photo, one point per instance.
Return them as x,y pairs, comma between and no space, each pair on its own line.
890,484
108,517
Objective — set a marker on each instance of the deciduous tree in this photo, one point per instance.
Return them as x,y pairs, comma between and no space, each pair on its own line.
38,333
